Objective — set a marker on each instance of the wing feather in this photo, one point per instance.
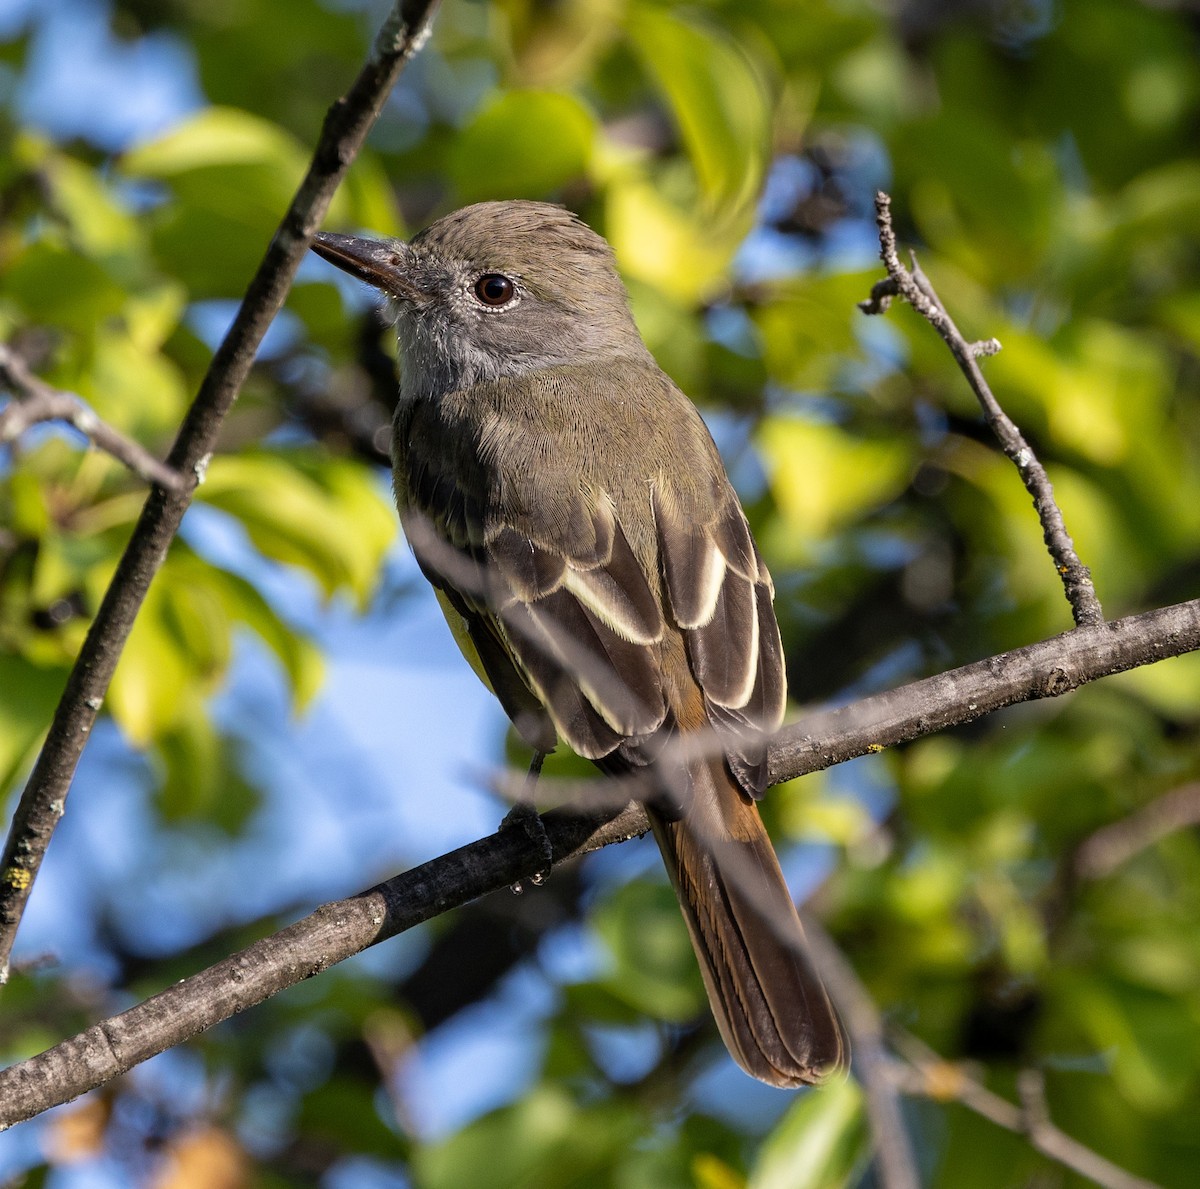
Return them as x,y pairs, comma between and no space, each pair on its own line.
693,566
720,594
614,587
724,651
524,570
575,600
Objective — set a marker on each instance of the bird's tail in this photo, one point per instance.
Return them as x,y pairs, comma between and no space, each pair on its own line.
769,1004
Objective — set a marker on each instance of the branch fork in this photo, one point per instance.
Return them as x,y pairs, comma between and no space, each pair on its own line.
34,401
915,288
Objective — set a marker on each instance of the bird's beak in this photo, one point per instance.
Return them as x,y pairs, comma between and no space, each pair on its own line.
386,264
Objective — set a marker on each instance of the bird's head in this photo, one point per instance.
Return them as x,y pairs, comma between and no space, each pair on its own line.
494,290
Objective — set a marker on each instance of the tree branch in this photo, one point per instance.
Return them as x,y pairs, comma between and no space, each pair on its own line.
1101,853
336,931
346,125
331,934
895,1164
1043,670
927,1075
36,401
915,288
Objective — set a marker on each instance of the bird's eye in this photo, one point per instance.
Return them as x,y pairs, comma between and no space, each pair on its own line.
493,289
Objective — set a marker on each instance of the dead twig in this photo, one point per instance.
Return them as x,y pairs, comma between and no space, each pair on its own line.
924,1074
1101,853
35,401
915,288
895,1164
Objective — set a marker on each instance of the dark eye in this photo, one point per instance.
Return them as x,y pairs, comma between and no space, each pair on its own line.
493,289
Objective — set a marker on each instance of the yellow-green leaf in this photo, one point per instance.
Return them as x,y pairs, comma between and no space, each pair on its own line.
522,144
819,1144
323,515
660,244
718,100
823,477
214,136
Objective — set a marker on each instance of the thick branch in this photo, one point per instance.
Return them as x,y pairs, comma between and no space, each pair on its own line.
1042,670
336,931
345,129
37,401
915,288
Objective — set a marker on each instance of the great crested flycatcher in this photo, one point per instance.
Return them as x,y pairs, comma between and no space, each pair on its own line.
570,508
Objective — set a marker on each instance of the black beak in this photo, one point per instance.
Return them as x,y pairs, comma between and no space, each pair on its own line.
386,264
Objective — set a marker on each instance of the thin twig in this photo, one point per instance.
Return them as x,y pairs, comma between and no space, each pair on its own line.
915,288
895,1164
336,931
36,401
345,128
1108,848
927,1075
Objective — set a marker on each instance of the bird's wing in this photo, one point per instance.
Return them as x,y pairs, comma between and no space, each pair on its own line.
609,591
575,632
556,610
719,593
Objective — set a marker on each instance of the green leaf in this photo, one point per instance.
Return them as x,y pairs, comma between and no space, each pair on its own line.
180,650
342,1111
718,99
214,136
1139,1028
135,388
522,144
366,199
655,969
808,328
233,175
323,515
199,776
55,286
824,477
657,242
545,1139
28,696
154,680
100,226
301,659
821,1143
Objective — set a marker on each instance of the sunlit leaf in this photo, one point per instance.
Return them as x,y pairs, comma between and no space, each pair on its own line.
214,136
658,243
154,677
821,1142
323,516
822,476
232,175
717,97
524,144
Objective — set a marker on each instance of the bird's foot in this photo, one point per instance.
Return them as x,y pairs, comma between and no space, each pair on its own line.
524,816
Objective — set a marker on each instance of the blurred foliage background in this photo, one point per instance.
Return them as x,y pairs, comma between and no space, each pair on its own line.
1042,157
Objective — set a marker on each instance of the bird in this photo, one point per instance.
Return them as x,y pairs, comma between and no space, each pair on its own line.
571,510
